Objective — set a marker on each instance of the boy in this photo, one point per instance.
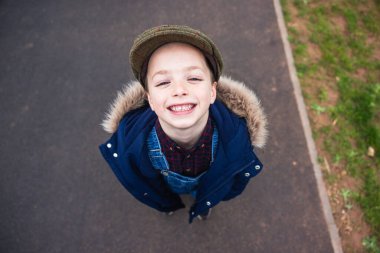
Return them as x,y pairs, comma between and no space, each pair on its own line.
196,132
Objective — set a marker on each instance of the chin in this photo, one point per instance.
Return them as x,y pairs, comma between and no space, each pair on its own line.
183,124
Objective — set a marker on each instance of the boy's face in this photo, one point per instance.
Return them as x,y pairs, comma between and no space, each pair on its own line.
179,86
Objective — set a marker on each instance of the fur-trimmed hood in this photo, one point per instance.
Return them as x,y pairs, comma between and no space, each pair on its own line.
235,95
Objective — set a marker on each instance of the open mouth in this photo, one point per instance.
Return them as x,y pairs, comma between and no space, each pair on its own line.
181,108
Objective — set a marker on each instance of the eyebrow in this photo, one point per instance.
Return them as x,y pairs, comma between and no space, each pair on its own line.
163,72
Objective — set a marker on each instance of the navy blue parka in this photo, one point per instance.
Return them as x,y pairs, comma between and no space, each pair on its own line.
240,129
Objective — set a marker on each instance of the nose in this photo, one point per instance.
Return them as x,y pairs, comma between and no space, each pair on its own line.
179,89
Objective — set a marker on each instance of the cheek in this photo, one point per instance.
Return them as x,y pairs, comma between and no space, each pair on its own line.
204,99
157,103
209,96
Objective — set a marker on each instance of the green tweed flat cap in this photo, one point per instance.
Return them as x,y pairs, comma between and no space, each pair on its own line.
148,41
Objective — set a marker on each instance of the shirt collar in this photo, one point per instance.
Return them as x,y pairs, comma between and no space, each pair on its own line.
169,144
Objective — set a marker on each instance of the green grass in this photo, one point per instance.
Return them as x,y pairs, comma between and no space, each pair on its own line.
370,244
345,52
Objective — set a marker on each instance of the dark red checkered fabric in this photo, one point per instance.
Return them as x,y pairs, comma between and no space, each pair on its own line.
191,162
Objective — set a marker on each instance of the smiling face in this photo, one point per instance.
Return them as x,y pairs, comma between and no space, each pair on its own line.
180,89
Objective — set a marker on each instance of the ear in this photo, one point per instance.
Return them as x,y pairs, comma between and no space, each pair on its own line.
213,91
149,100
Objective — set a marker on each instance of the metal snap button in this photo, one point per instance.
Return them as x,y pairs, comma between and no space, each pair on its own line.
115,155
109,145
257,167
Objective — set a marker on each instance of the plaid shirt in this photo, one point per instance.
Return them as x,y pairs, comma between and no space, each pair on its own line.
191,162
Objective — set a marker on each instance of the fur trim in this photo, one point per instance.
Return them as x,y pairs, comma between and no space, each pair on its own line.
131,97
244,103
235,95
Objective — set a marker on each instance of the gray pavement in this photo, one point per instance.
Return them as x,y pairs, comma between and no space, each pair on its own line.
61,64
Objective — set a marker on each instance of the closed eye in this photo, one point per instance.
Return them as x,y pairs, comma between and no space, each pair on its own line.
163,83
195,79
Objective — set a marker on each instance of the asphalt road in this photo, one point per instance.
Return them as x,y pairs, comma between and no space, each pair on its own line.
61,64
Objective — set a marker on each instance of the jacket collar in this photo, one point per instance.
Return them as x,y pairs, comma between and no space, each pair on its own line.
235,95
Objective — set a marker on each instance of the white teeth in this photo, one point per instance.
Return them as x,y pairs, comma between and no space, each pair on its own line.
181,108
